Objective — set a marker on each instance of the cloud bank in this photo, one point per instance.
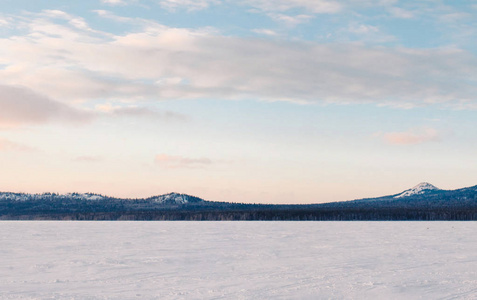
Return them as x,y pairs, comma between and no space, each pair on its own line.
73,62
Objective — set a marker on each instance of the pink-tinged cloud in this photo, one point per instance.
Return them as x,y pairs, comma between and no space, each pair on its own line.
19,106
175,161
412,137
147,113
213,65
139,112
7,145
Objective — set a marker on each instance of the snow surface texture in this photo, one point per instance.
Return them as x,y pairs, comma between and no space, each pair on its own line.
238,260
421,188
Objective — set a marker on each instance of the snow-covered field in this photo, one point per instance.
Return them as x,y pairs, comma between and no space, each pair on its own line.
238,260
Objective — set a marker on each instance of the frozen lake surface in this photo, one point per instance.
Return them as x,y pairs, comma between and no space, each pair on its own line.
238,260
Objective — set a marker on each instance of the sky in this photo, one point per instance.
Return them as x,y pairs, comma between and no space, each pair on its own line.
255,101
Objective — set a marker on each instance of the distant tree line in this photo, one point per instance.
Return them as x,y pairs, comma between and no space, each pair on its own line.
435,205
259,214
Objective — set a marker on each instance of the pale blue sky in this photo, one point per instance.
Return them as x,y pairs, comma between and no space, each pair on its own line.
288,101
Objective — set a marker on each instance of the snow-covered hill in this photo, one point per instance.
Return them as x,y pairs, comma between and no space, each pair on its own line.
48,196
175,198
171,198
419,189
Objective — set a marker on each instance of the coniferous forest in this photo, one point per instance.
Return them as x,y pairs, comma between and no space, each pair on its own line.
430,205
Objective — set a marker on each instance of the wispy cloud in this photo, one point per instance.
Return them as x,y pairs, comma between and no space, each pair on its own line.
401,13
114,2
412,136
189,5
4,22
145,112
7,145
312,6
19,106
363,29
366,33
173,161
290,20
88,158
265,31
134,111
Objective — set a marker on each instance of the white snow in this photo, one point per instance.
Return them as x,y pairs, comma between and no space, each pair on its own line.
421,188
238,260
83,196
172,197
24,197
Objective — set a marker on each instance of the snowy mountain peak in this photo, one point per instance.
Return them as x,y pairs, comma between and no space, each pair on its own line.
426,185
421,188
